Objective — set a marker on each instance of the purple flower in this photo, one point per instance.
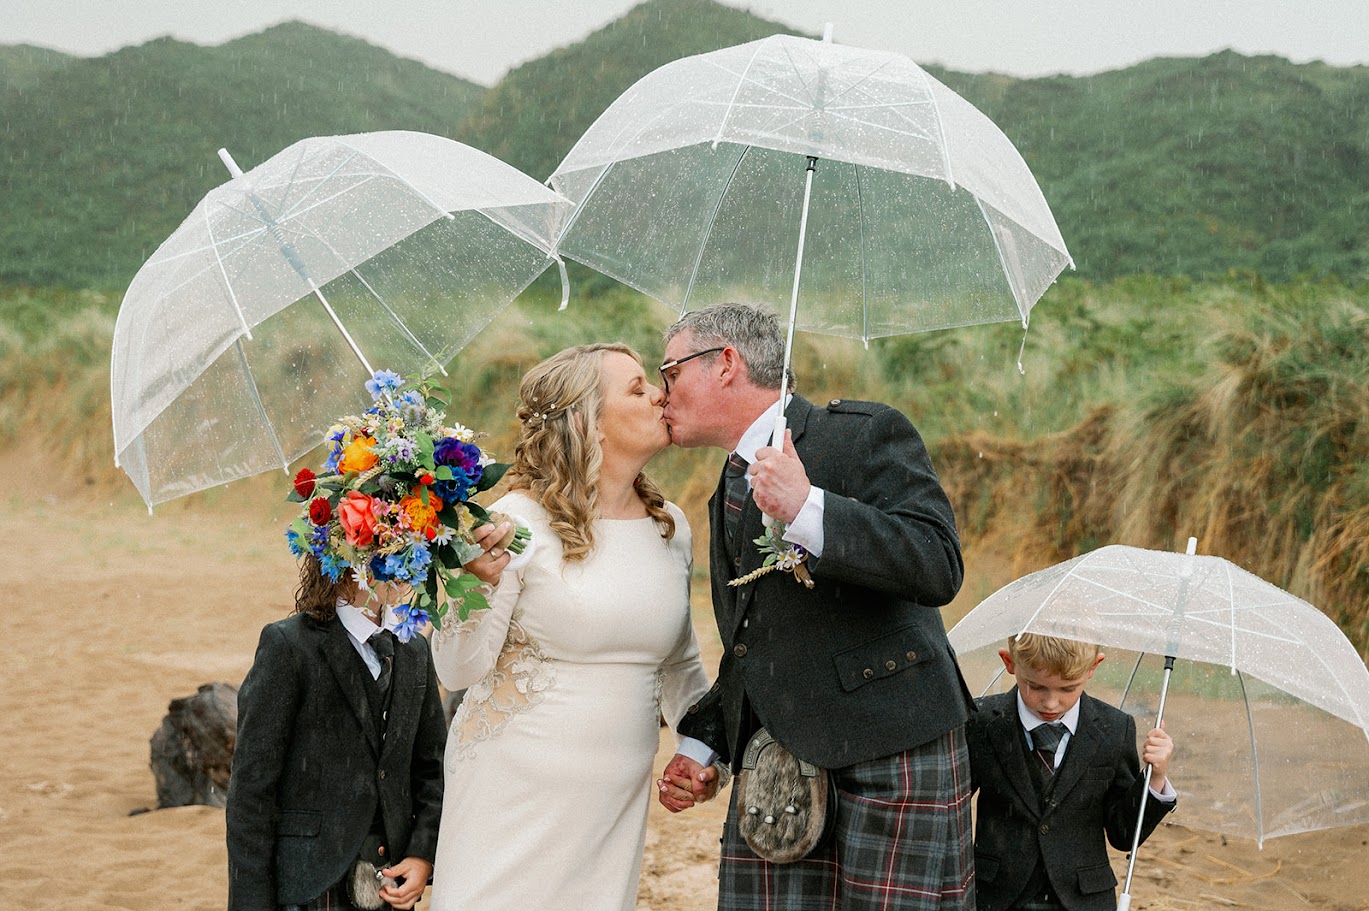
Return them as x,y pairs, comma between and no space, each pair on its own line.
465,456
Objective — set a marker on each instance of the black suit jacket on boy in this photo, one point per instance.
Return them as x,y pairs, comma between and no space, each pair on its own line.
859,666
1096,791
310,765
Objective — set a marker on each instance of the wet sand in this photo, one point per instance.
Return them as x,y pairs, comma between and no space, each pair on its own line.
120,613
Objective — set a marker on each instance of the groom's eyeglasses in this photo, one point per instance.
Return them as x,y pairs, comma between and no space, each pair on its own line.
671,365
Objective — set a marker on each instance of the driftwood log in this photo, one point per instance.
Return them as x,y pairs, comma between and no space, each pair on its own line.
192,752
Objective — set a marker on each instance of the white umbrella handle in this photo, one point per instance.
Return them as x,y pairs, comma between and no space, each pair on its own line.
1125,901
777,435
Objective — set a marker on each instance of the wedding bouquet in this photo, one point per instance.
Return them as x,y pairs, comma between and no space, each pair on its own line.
392,502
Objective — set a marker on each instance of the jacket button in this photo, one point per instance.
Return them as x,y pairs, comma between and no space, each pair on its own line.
868,673
737,562
890,665
1045,828
382,774
912,655
834,403
381,850
739,650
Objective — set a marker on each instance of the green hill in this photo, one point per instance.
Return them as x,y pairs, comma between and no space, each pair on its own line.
537,112
1191,167
1197,166
23,66
104,157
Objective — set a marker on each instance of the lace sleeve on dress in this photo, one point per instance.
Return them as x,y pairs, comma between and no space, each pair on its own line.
464,652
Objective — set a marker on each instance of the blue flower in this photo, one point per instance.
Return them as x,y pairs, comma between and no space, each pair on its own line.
383,381
420,558
379,569
411,621
453,491
394,568
292,538
332,566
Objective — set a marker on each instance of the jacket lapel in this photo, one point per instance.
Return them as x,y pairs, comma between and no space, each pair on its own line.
1081,748
349,671
1005,735
753,525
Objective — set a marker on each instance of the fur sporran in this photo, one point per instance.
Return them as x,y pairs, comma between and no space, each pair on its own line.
365,881
784,805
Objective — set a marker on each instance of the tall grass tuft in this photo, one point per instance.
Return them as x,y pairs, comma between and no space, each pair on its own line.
1151,409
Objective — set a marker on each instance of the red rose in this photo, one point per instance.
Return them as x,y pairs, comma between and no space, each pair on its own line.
304,482
319,511
426,480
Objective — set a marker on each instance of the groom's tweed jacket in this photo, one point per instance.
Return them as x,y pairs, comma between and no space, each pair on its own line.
859,666
311,766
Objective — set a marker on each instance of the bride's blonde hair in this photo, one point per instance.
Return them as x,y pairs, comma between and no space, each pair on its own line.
557,457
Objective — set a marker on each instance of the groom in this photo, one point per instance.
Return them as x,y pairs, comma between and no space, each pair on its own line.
855,674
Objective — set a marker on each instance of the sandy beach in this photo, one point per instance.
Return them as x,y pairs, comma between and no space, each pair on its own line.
122,612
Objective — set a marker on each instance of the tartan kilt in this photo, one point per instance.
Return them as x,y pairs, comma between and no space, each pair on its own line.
902,841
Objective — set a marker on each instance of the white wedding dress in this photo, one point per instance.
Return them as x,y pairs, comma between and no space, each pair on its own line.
550,757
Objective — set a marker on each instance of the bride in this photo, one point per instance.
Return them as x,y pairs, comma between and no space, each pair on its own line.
586,644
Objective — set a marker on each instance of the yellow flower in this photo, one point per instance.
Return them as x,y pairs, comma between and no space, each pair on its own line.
358,455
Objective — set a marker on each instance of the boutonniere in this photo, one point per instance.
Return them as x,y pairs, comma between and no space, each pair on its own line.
779,554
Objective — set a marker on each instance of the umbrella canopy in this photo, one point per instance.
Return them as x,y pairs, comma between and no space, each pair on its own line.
1273,717
254,324
691,188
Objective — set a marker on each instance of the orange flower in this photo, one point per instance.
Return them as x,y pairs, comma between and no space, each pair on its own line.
421,518
357,516
358,455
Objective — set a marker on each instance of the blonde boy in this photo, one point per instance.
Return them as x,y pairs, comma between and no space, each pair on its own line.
1057,772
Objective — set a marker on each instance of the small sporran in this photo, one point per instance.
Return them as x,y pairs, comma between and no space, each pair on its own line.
365,880
784,805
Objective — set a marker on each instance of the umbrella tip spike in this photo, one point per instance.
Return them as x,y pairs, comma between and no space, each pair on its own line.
827,33
229,163
1192,547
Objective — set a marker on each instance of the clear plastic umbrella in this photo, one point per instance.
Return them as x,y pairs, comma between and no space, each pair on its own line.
1270,722
254,324
790,165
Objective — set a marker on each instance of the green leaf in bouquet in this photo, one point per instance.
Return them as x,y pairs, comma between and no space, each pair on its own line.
446,555
443,472
481,514
449,515
438,398
492,475
423,450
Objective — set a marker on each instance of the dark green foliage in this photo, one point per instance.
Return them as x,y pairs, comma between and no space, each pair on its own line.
102,158
1197,166
534,115
1193,167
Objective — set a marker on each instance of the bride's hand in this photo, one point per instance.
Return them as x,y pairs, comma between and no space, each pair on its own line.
489,566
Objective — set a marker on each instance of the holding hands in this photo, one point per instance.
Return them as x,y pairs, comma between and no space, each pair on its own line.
684,783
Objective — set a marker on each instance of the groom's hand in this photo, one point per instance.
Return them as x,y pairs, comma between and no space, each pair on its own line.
685,783
779,482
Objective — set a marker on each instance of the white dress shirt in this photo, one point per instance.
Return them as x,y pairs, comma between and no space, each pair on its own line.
1071,722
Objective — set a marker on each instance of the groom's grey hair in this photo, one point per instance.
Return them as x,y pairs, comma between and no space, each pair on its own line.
754,331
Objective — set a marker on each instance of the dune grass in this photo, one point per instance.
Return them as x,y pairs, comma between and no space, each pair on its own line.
1150,409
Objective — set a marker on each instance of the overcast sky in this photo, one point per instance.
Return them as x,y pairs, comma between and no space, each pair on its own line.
482,39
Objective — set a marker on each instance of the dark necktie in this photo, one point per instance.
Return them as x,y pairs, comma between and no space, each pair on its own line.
734,496
1046,738
383,641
